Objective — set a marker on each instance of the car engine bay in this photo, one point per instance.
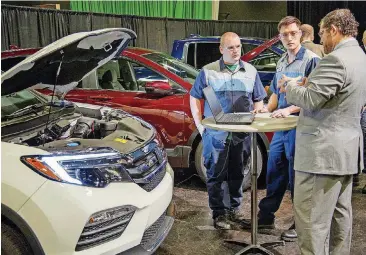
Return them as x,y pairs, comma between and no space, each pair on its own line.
86,127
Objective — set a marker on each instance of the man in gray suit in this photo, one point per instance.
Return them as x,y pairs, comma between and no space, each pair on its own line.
307,39
328,138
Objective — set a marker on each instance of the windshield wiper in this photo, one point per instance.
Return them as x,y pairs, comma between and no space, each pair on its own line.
24,111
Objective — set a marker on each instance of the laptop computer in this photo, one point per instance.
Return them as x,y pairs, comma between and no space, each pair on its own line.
220,117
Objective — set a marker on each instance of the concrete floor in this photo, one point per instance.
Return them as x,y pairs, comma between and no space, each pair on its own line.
193,233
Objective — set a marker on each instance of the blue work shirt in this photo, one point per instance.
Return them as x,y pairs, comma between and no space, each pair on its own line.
237,91
305,61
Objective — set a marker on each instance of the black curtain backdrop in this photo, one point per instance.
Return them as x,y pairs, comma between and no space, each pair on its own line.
313,11
28,27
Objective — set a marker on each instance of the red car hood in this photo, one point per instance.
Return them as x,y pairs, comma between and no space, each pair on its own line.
258,50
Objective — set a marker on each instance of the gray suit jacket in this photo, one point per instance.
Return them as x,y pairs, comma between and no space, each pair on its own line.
318,49
328,135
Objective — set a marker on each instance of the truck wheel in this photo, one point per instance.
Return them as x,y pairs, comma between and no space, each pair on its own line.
13,242
201,170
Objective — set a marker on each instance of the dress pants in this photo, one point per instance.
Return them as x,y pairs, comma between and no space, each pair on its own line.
323,213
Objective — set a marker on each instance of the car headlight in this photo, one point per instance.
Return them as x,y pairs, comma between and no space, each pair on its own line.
92,167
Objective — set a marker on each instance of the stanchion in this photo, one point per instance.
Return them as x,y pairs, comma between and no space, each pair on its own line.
263,122
254,247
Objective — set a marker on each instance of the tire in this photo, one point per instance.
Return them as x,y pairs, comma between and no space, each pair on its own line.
13,242
201,170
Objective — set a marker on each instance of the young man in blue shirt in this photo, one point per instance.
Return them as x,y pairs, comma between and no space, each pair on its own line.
296,62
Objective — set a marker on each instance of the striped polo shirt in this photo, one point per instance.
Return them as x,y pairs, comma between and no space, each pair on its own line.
236,90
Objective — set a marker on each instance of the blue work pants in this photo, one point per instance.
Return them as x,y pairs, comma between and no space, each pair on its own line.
280,174
224,160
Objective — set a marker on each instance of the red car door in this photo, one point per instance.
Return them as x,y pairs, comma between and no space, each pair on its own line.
162,111
77,95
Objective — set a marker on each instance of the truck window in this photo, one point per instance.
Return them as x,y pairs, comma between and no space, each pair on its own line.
207,53
190,55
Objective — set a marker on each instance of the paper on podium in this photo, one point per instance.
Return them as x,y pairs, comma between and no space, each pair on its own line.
263,122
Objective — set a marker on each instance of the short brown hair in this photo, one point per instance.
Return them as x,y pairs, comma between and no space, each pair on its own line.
343,19
288,20
307,30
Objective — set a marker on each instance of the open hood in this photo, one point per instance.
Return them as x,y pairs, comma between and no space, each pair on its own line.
67,61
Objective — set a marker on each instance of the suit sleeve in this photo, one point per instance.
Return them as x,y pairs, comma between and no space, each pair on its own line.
199,85
323,84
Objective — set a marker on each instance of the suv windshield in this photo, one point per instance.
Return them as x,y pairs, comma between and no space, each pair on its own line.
16,101
185,71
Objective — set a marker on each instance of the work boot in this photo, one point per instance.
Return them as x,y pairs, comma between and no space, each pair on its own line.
235,215
247,224
221,222
289,235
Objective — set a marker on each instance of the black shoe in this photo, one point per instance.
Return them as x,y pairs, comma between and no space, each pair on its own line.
235,216
364,190
221,222
247,224
289,235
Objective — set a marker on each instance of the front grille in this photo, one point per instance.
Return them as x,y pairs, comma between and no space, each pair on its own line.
144,166
98,233
154,181
151,232
148,170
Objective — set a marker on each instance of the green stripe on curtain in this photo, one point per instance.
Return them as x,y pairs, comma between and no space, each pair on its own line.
169,9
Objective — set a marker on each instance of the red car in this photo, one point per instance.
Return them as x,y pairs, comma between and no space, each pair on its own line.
154,86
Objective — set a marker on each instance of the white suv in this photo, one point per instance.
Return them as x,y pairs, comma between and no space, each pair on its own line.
78,178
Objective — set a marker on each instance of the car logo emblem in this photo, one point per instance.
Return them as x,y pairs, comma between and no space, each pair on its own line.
151,162
145,149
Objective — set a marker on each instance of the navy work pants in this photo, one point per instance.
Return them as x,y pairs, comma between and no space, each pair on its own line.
224,160
280,173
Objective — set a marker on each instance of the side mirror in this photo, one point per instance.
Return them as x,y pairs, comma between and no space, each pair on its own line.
159,87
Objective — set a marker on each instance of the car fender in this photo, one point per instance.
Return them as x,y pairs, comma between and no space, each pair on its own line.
23,227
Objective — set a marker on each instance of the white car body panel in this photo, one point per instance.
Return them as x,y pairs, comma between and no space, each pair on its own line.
18,182
57,212
58,230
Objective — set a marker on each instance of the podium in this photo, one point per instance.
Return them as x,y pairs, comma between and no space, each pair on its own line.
263,122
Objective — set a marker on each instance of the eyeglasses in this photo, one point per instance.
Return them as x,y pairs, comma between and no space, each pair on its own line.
231,48
292,34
